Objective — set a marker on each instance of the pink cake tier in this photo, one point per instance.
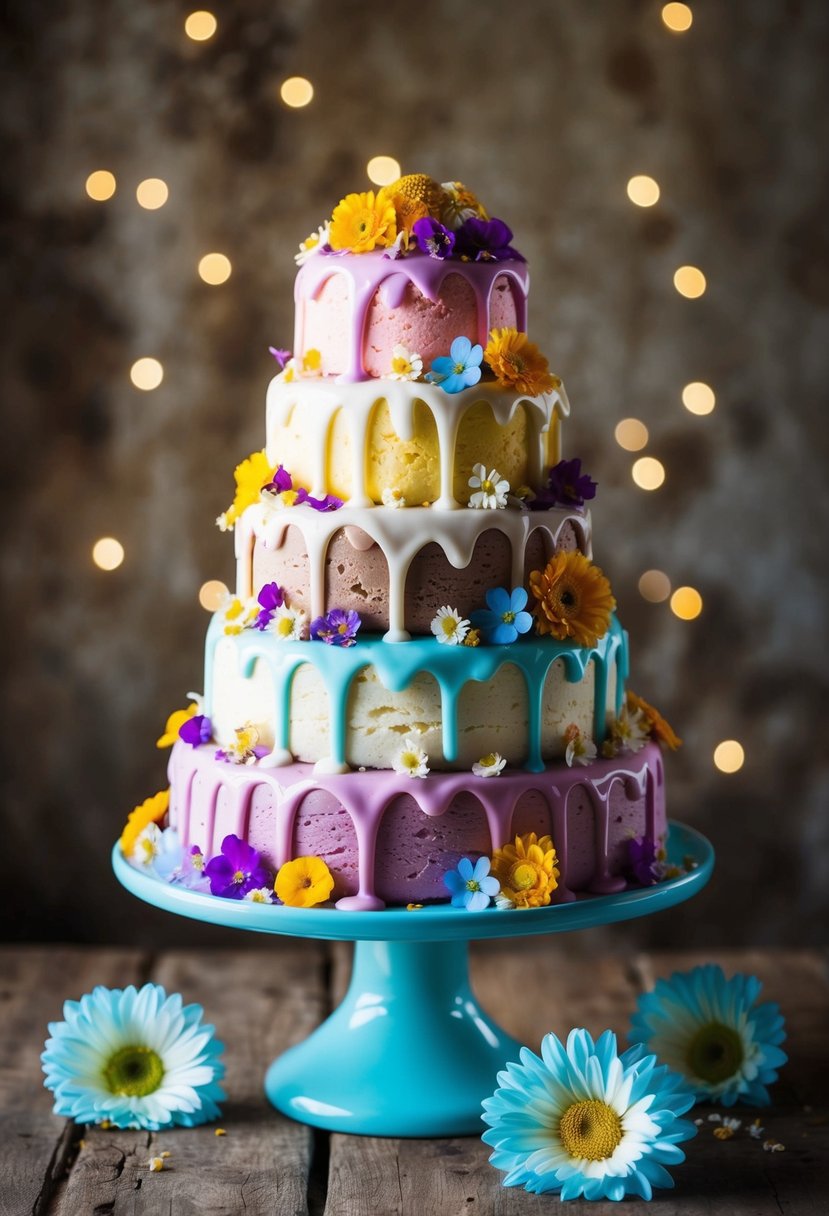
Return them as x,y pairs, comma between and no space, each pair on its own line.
389,839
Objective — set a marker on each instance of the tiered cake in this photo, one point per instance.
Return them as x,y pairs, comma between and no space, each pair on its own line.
421,662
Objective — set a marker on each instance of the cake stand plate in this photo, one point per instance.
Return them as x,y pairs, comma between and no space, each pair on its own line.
409,1052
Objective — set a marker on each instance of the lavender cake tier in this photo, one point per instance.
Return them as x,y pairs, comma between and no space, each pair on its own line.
389,839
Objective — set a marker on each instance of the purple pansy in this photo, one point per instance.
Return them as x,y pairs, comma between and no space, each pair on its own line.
236,870
281,356
337,628
485,241
270,598
282,482
471,886
433,238
504,617
458,370
196,730
642,860
329,503
566,486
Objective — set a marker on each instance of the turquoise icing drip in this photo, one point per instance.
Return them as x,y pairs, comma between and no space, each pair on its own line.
452,667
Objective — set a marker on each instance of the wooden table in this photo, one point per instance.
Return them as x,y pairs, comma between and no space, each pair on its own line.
264,1000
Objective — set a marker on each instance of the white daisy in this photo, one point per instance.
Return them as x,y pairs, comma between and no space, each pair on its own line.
489,766
580,749
392,497
491,489
411,760
238,614
147,846
405,364
288,624
312,244
631,730
449,627
259,895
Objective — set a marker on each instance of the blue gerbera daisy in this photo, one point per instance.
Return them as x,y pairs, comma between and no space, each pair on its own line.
713,1033
136,1058
585,1121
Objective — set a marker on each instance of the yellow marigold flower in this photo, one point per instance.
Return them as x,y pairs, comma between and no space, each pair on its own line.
251,475
573,599
417,190
174,723
518,363
661,730
303,882
362,222
527,870
152,810
473,638
408,211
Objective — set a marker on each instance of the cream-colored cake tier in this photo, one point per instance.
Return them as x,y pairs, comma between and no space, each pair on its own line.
354,706
357,440
396,567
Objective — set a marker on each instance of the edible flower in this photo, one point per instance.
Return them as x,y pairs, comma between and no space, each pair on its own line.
518,364
336,628
658,727
642,860
315,243
282,356
527,870
458,204
393,497
479,240
470,886
259,895
433,238
411,760
504,617
250,476
270,597
567,486
288,624
573,599
304,882
281,489
173,864
630,730
238,614
458,370
362,222
405,364
173,726
490,490
196,730
151,810
245,748
239,868
583,1121
449,627
579,749
712,1031
134,1058
489,766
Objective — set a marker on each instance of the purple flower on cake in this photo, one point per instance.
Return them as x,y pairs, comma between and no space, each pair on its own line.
281,356
196,730
504,617
236,870
329,503
472,887
485,241
433,238
337,628
642,857
245,748
566,486
270,597
458,370
281,486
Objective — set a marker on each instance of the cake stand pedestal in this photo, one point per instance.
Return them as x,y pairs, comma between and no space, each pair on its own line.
409,1052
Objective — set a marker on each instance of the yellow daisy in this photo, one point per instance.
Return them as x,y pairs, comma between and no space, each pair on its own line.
362,222
517,363
251,475
152,810
527,870
573,599
659,728
174,724
303,882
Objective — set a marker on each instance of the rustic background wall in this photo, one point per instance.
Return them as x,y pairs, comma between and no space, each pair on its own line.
546,109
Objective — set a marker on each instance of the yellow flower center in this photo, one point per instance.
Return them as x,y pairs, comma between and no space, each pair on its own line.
342,627
524,876
487,486
411,760
487,761
238,876
449,626
284,627
458,368
590,1130
472,885
508,618
715,1053
133,1072
401,366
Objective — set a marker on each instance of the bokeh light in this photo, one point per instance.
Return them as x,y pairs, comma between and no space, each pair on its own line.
296,92
686,603
677,17
631,434
654,586
643,190
729,756
211,594
152,193
146,374
100,185
383,170
690,282
698,397
648,473
107,553
215,268
200,25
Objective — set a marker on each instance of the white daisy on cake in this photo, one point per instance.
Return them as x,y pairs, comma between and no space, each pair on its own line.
490,489
449,627
580,748
631,730
405,364
312,244
411,760
238,614
288,624
489,766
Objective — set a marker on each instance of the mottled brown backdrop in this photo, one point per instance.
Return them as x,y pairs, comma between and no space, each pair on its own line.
545,108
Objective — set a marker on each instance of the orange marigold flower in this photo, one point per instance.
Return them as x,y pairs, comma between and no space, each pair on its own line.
518,363
573,599
362,222
408,211
660,730
527,870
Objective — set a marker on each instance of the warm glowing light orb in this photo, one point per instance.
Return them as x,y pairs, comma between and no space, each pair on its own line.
211,594
654,586
686,603
648,472
631,434
690,282
643,190
296,92
107,553
215,268
383,170
677,17
100,185
146,374
200,26
698,397
152,193
729,756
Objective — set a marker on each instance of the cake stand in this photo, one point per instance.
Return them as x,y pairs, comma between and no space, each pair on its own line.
409,1052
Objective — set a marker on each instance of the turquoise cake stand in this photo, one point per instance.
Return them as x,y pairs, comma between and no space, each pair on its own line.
409,1052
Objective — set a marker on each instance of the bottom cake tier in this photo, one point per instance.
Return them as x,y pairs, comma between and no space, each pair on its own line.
390,839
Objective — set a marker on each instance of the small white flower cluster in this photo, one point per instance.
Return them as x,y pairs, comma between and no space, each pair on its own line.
405,364
449,627
411,760
490,489
259,895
